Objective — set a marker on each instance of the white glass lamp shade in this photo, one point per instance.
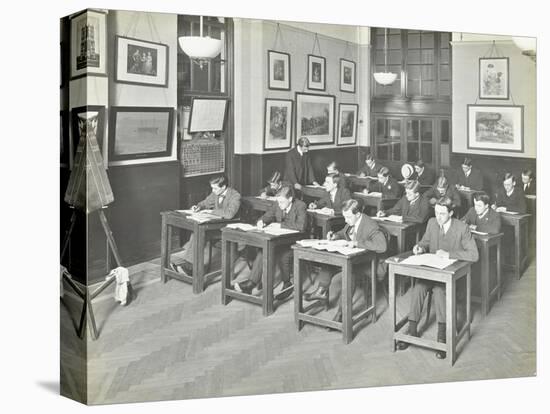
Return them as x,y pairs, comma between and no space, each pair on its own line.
385,78
197,47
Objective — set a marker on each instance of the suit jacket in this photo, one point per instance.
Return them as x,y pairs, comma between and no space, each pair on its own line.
516,202
451,192
368,236
531,188
427,177
458,240
296,219
490,223
392,189
229,206
474,181
269,192
298,168
342,195
416,213
369,172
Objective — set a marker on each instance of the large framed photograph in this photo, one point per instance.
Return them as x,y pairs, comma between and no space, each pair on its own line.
141,62
88,44
277,124
207,115
140,133
347,124
315,117
278,70
495,128
493,78
316,70
86,119
347,75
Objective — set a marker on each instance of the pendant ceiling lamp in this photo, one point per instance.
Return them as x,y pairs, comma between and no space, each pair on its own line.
385,78
200,49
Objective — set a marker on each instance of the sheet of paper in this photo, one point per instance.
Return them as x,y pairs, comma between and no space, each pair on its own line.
314,186
394,218
510,212
185,211
532,197
428,259
324,211
479,232
267,198
242,226
278,231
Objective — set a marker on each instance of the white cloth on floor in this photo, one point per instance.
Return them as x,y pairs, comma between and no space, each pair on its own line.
121,288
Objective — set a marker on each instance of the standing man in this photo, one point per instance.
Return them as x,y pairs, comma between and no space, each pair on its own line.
298,169
449,238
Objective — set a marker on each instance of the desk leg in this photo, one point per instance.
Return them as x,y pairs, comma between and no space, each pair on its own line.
450,297
226,271
268,275
347,303
163,257
498,271
198,262
484,280
517,252
391,299
468,300
401,249
373,268
298,305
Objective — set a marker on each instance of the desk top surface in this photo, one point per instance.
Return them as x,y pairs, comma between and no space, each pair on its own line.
259,234
451,269
325,253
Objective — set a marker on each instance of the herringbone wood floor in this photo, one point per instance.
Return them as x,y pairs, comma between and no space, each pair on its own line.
171,344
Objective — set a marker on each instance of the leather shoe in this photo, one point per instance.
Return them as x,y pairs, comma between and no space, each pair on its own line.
441,354
245,286
284,295
401,346
320,294
187,267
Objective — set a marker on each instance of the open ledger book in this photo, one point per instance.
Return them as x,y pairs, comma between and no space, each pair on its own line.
274,228
200,216
340,246
428,259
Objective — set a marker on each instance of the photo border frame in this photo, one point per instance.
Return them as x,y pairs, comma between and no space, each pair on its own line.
321,85
270,82
76,73
194,112
356,124
289,124
351,63
504,97
300,96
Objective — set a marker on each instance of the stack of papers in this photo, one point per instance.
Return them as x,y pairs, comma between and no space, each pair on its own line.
339,246
274,228
203,217
394,218
428,259
325,211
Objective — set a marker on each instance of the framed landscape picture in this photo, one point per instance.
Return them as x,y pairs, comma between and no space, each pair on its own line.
88,44
277,124
315,117
347,124
278,70
347,75
316,69
141,62
140,133
495,128
493,78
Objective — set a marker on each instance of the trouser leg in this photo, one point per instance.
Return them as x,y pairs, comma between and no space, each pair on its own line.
188,249
440,303
285,259
418,295
256,272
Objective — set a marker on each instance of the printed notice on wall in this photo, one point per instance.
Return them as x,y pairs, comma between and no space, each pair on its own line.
207,115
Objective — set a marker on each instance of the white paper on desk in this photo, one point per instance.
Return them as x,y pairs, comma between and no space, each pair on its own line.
392,217
307,242
428,259
532,197
324,211
267,198
203,217
479,232
242,226
186,211
314,186
510,212
339,246
278,231
373,193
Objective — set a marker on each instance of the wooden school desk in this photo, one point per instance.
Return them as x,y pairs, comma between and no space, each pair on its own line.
520,226
357,182
268,243
203,232
372,204
484,244
449,276
308,254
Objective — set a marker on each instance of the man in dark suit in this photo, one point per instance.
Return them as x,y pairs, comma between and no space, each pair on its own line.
370,168
469,178
336,194
449,238
481,217
528,181
298,170
412,206
442,189
292,214
386,184
224,202
423,174
509,197
274,184
360,231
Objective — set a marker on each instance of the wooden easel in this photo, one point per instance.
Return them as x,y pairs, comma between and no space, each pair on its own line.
86,295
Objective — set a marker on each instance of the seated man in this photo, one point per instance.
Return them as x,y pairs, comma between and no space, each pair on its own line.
449,238
292,214
224,202
361,231
412,206
370,168
509,197
335,196
469,178
275,183
482,218
386,184
528,181
424,175
442,189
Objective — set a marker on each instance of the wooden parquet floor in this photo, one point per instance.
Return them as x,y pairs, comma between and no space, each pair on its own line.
171,344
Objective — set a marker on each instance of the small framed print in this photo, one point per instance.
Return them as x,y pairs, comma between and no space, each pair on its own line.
347,76
316,69
141,62
277,124
347,124
495,128
88,44
278,70
493,78
315,117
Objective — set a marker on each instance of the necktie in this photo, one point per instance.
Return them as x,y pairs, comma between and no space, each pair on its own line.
351,232
441,231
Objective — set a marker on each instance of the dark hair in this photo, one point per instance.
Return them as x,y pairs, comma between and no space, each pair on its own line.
467,161
420,163
275,177
219,180
336,179
335,165
412,185
442,182
529,173
482,197
303,142
508,176
352,205
369,157
286,191
384,171
446,202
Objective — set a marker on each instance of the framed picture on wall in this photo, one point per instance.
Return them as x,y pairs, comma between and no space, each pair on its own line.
88,44
83,118
495,128
347,124
493,78
315,117
347,75
316,70
278,70
140,133
141,62
207,115
277,124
